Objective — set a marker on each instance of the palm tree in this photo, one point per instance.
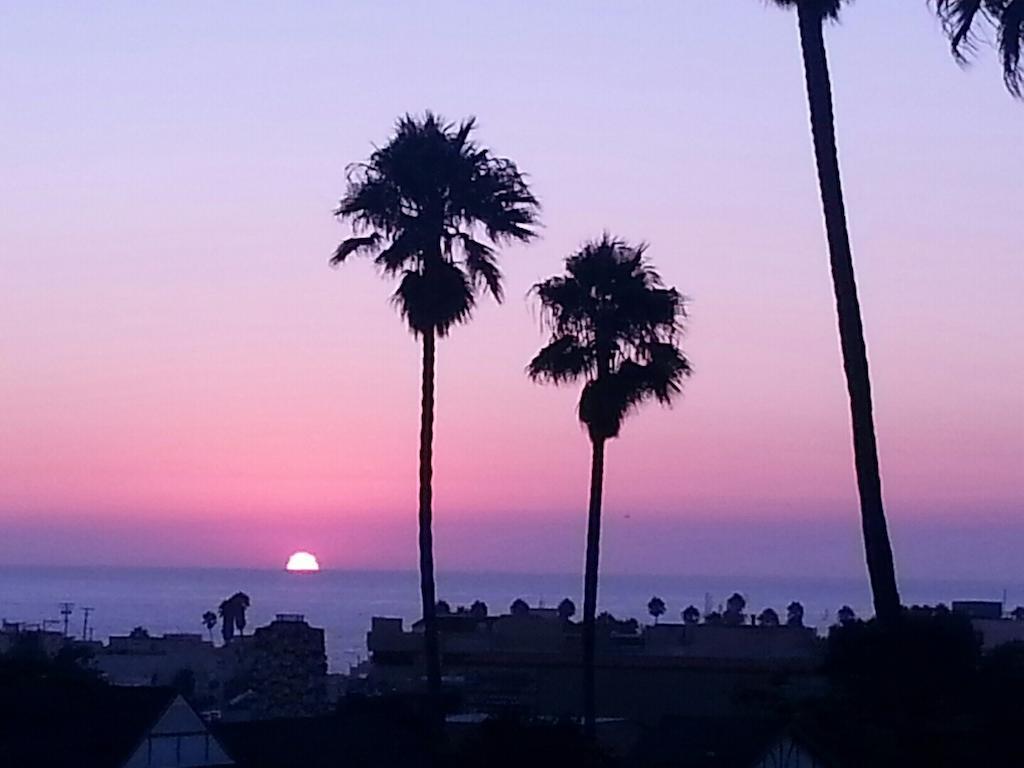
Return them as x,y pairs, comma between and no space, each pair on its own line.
232,614
210,621
431,206
656,607
812,15
566,609
962,18
519,607
226,610
615,327
734,609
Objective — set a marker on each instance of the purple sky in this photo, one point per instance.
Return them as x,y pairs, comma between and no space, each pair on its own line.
184,380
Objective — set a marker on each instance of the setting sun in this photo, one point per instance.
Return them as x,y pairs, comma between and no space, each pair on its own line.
302,561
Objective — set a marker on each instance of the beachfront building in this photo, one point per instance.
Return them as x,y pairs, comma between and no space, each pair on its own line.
278,670
287,663
528,663
12,633
991,622
185,661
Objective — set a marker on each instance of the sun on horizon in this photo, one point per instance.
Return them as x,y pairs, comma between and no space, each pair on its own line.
302,561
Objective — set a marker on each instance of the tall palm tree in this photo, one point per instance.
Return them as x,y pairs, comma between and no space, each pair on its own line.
431,206
615,327
962,20
812,15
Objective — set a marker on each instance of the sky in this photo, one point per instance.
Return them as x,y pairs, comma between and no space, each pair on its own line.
184,381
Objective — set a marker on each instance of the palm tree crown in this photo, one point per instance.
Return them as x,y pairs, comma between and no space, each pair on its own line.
614,325
431,205
962,18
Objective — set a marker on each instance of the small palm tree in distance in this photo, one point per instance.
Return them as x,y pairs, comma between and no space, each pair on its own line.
656,607
210,621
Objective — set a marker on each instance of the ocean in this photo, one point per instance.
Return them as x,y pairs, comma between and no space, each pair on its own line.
343,602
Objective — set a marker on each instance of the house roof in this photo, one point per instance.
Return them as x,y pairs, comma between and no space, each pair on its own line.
76,723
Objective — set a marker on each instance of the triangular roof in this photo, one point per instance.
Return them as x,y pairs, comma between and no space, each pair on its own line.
77,724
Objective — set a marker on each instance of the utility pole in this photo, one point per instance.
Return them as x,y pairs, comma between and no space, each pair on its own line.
65,611
85,622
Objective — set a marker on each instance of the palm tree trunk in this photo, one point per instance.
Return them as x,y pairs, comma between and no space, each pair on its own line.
851,331
426,537
590,588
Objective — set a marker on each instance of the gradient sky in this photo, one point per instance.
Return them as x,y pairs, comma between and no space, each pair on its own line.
184,381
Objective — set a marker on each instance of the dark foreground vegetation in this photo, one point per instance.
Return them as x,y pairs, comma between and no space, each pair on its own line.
920,693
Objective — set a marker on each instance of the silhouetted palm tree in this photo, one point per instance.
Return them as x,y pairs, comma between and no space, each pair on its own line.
656,607
519,607
734,607
614,326
227,620
690,615
210,621
431,205
232,615
566,609
812,15
962,20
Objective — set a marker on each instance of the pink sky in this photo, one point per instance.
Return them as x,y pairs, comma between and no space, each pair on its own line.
185,381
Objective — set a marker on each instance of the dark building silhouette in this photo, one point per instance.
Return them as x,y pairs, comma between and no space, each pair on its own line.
288,668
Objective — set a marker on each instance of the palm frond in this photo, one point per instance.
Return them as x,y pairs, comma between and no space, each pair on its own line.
958,18
481,266
403,250
665,370
563,359
1011,41
964,22
354,245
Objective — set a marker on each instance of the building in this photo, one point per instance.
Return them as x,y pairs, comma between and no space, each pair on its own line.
185,661
991,623
279,670
979,609
287,668
530,664
65,724
12,633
